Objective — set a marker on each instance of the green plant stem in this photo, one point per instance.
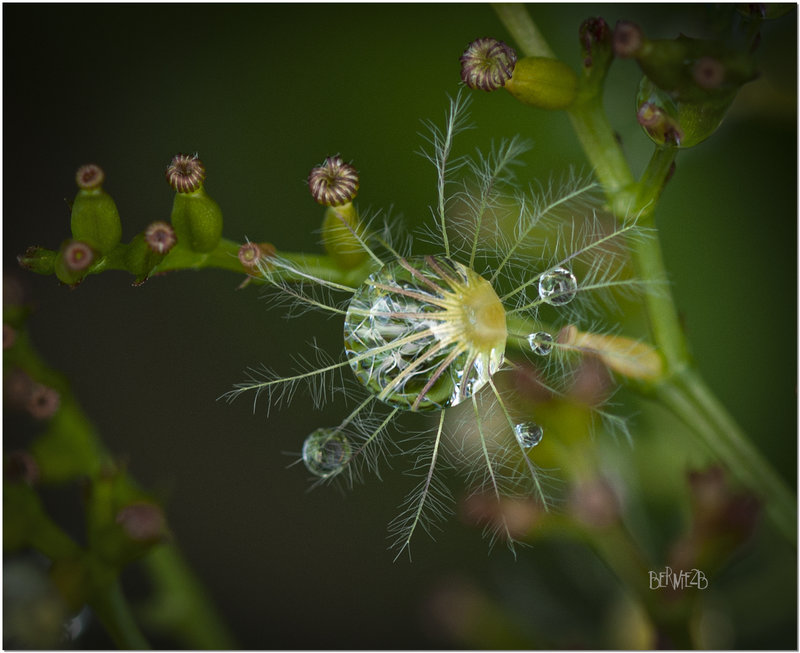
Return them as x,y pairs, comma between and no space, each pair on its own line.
115,614
525,32
681,388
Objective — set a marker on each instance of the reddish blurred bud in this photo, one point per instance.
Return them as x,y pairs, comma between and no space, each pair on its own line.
43,401
160,237
142,522
516,516
628,39
594,503
21,467
9,336
709,73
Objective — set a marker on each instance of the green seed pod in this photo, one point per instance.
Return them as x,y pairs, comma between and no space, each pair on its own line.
341,235
544,83
95,219
197,220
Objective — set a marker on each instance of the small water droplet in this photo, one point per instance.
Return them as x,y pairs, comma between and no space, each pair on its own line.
558,286
541,343
528,434
325,452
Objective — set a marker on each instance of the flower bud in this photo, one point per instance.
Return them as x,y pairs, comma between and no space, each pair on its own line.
160,237
594,36
628,39
142,522
334,182
148,249
249,255
487,64
544,83
21,467
341,232
73,261
95,219
43,401
196,217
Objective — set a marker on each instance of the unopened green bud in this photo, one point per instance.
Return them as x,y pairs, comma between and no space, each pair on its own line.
342,235
73,261
38,259
196,217
95,219
544,83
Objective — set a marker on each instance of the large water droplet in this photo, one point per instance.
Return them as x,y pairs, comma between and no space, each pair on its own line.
541,343
424,333
558,286
528,434
325,452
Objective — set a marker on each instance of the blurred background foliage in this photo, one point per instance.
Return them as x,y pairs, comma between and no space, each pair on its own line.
263,93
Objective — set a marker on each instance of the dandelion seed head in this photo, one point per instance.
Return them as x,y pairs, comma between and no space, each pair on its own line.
425,333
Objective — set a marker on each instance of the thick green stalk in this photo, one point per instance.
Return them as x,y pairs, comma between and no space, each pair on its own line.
115,614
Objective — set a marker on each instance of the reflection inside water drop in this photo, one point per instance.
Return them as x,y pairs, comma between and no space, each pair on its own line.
326,452
529,434
558,286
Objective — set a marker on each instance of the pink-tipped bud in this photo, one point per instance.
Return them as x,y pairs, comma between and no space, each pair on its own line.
487,64
249,255
709,73
628,39
43,401
9,336
77,256
21,467
185,173
160,237
334,182
89,177
142,522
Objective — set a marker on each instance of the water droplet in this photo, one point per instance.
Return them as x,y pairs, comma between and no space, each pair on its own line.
558,286
325,452
541,343
528,434
425,333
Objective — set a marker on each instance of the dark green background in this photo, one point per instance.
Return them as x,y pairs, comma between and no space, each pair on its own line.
263,93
